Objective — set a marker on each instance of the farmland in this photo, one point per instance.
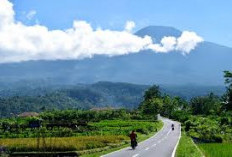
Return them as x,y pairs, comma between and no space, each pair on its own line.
104,134
216,149
61,143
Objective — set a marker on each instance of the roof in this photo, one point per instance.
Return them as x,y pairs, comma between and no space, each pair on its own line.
29,114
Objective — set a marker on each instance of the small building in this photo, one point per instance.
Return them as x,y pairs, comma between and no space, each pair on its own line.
28,114
102,109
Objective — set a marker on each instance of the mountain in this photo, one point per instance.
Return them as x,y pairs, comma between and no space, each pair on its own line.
158,32
203,66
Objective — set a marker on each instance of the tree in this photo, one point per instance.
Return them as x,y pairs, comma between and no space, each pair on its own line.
228,77
153,92
171,105
152,107
228,95
152,103
206,105
167,106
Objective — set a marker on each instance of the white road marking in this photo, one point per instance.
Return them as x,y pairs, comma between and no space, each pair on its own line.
161,136
135,155
168,132
174,151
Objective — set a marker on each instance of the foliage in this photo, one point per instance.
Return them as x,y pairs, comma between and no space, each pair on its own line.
206,105
154,103
204,128
40,95
98,95
228,95
61,123
152,92
15,105
77,122
152,107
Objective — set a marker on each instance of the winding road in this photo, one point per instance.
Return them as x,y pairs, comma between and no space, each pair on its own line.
162,144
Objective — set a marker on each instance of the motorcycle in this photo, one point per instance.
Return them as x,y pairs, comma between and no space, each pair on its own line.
134,144
172,127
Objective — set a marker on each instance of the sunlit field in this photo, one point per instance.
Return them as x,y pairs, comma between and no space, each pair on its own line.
61,143
108,133
217,149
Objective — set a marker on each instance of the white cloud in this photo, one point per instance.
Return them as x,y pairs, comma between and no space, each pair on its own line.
30,14
167,44
188,41
129,26
19,42
185,43
6,13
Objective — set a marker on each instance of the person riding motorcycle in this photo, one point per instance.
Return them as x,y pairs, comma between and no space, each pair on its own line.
172,126
133,137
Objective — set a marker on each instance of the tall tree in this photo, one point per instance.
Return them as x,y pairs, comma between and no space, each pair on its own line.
152,107
153,92
228,82
206,105
152,102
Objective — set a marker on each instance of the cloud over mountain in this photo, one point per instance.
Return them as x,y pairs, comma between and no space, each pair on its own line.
19,42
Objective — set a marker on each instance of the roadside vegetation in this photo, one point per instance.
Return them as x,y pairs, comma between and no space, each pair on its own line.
187,148
205,119
208,122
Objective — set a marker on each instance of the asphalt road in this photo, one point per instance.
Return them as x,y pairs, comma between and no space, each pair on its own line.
162,144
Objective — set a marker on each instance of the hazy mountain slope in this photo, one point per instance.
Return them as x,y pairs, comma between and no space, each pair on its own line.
202,66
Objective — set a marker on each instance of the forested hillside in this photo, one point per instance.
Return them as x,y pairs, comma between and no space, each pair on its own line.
98,95
43,95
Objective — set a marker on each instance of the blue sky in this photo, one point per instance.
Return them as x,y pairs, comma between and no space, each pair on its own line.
210,19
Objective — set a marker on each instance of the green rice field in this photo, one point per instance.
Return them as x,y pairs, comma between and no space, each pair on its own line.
216,149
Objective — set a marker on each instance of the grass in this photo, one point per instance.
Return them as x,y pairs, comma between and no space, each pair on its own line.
217,149
187,148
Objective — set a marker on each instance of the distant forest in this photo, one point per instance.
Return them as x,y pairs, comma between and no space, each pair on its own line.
40,95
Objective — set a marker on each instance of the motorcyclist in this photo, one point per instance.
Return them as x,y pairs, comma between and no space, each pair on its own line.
172,126
133,137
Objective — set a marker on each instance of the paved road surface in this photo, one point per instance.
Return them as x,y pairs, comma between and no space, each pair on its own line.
161,144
